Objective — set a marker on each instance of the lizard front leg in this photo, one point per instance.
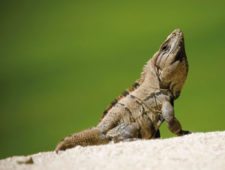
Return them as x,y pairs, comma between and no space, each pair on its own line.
173,124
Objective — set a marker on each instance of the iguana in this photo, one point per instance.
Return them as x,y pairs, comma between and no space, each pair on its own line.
139,111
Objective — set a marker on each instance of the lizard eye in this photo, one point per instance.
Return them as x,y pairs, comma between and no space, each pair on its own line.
165,47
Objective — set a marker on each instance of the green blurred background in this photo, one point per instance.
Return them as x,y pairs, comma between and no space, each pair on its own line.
62,62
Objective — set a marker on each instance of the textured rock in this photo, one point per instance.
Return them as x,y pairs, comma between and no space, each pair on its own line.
195,151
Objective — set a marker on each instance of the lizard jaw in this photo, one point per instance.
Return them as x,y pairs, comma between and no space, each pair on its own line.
171,63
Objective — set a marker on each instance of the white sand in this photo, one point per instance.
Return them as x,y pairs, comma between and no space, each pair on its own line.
196,151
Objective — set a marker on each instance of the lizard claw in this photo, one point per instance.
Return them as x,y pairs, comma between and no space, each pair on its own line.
185,132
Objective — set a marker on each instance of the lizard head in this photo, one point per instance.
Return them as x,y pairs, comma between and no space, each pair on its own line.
171,63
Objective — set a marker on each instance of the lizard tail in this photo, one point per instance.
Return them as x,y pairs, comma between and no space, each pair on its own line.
87,137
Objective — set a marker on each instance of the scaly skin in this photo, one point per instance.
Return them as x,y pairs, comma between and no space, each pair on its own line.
139,112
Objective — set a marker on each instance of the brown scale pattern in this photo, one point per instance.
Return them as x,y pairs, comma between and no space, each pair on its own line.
125,93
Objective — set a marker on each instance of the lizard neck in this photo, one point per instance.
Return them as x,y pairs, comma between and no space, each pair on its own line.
150,78
150,82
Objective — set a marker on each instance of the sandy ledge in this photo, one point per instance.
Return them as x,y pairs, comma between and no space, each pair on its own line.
196,151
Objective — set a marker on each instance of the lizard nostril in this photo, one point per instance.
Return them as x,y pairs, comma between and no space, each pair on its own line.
174,34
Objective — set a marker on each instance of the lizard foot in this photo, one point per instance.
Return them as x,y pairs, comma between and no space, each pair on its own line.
184,132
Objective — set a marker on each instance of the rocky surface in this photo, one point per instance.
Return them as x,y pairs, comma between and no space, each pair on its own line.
196,151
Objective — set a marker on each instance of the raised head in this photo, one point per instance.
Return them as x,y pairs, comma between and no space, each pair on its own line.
171,63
